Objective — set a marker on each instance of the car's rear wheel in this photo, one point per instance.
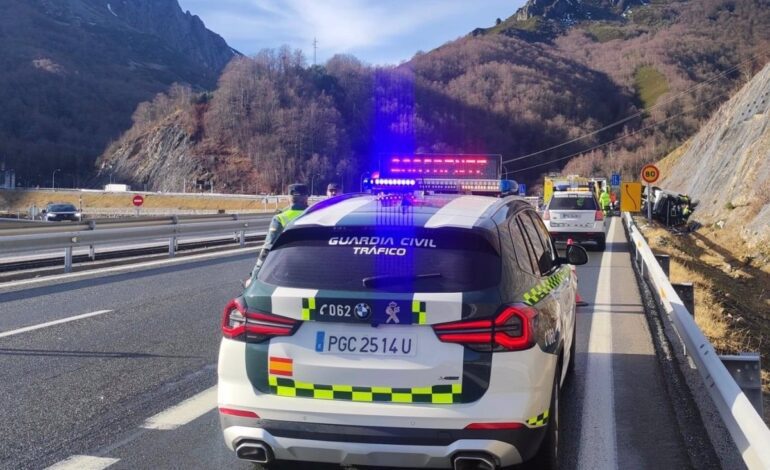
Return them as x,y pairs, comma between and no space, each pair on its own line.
601,244
547,456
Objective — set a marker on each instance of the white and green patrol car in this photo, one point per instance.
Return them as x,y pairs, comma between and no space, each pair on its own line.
404,331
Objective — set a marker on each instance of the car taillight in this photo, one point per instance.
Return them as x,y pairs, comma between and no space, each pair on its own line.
547,215
254,327
598,215
511,330
236,412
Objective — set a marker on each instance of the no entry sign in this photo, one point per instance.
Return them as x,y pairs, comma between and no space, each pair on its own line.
138,200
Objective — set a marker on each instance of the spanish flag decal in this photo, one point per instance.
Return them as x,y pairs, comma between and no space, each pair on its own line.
281,366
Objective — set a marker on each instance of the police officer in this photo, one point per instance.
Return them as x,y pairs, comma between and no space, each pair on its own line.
299,195
332,190
604,202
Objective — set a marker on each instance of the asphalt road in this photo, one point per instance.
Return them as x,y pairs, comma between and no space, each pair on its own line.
132,386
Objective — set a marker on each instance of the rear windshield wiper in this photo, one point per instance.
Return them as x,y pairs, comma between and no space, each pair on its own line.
389,279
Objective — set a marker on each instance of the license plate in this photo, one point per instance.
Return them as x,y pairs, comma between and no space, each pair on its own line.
570,216
366,345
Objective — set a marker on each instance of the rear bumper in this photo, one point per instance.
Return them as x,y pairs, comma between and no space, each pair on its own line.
394,447
578,236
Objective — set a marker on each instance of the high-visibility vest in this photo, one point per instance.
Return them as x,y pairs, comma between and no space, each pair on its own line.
288,215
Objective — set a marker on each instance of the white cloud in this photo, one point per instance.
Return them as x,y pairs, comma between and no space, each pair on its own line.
345,25
376,29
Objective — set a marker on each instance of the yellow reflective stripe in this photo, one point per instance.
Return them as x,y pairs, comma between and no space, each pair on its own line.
443,398
308,308
362,396
402,398
323,394
286,391
444,394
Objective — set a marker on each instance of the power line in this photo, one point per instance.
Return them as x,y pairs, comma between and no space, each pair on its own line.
616,139
639,113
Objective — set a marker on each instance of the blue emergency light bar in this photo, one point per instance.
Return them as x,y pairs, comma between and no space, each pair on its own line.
471,167
442,173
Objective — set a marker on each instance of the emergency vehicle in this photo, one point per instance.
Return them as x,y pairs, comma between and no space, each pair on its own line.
403,329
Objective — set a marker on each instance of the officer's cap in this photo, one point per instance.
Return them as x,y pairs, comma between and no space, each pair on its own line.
333,186
298,189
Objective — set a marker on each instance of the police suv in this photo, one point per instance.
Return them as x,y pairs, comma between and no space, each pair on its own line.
405,331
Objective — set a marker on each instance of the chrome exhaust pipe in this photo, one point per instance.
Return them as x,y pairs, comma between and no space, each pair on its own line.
474,461
254,451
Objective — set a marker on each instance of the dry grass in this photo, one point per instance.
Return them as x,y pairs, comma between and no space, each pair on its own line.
732,289
12,201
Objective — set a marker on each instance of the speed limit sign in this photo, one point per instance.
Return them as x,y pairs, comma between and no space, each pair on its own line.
650,174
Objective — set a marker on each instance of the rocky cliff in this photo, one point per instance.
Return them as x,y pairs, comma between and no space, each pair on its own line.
73,71
726,165
571,10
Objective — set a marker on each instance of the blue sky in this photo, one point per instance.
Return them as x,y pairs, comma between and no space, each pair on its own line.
376,31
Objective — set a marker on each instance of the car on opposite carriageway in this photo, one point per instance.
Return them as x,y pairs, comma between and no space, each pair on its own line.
58,212
431,331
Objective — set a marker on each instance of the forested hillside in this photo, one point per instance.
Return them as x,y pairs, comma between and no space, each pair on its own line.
72,73
643,77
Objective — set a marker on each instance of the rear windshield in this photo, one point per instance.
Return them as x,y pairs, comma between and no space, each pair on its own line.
363,259
61,208
575,202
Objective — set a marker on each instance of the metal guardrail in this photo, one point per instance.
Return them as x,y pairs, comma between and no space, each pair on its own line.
69,236
749,432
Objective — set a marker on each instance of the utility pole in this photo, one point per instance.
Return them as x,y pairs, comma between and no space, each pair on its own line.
315,50
53,178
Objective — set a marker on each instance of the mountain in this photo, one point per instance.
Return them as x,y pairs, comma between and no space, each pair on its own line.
73,71
726,165
582,87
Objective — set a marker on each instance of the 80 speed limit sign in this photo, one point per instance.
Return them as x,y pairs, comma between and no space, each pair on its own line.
650,174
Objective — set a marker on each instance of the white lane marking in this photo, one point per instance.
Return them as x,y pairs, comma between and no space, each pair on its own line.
461,212
129,267
26,329
329,216
83,462
598,417
184,412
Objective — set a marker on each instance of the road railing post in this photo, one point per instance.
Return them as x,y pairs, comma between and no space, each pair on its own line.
746,370
68,259
686,292
665,263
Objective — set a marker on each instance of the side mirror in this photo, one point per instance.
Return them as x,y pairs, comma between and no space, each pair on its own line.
278,211
576,255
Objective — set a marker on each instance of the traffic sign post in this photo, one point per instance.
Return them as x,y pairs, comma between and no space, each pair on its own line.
137,201
650,174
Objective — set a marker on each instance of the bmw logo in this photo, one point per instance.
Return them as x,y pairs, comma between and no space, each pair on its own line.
363,311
